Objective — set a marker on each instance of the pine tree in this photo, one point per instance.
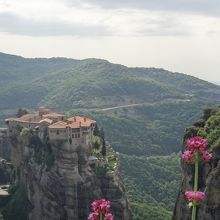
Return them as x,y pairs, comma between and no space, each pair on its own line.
103,148
21,112
96,130
96,145
102,134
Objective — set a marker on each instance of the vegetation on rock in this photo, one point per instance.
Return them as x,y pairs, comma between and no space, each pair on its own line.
21,112
211,130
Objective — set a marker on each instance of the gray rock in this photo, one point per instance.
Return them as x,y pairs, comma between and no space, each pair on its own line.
209,182
66,190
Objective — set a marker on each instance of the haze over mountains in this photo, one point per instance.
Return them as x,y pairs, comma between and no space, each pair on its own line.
144,112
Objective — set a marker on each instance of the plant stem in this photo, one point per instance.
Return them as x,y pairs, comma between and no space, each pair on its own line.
101,216
196,178
194,212
196,182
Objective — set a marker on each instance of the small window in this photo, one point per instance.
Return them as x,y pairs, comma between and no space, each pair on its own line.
75,135
78,135
72,135
58,132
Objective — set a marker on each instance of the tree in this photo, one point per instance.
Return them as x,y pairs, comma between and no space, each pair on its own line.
21,112
25,132
207,113
103,148
96,130
102,136
96,145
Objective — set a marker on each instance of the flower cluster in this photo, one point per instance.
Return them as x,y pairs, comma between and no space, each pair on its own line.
196,145
195,152
197,196
100,210
187,155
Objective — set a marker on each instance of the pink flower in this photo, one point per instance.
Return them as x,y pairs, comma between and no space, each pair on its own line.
206,156
187,155
199,196
93,216
109,216
195,196
189,195
100,208
101,205
197,143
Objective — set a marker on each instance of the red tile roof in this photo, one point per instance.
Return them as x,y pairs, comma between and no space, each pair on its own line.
73,122
49,121
54,115
29,118
58,125
85,122
74,125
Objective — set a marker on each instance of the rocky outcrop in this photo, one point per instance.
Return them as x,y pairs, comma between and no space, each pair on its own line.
209,173
5,171
59,182
4,144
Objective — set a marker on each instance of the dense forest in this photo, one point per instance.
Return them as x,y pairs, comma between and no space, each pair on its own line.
143,111
152,179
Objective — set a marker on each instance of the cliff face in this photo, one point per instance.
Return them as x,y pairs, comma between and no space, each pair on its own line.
60,183
5,171
209,173
4,144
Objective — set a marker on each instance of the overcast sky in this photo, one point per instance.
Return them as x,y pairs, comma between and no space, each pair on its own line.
178,35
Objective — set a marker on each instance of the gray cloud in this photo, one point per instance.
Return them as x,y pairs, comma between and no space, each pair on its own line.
209,7
165,27
14,24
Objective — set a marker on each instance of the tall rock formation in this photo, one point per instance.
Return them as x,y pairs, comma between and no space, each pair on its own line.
4,144
59,179
209,173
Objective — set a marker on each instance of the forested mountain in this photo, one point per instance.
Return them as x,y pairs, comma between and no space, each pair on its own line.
166,102
143,111
92,83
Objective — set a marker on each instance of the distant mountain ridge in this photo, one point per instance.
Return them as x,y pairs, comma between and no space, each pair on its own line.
217,83
91,83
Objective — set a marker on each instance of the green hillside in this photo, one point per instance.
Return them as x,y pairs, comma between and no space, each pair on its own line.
152,179
143,111
143,211
149,129
91,83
